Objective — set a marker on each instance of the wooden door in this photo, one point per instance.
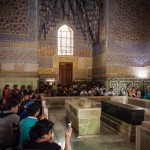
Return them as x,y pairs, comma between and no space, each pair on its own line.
65,73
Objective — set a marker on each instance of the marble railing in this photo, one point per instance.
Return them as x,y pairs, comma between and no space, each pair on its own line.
57,102
143,136
141,103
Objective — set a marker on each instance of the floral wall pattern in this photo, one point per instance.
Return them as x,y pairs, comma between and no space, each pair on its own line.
131,20
14,16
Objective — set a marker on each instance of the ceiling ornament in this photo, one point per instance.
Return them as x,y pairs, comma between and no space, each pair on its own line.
83,15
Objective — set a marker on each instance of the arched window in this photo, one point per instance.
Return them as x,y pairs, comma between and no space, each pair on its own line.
65,40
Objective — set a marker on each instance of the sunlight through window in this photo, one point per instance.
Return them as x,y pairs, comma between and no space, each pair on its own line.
65,40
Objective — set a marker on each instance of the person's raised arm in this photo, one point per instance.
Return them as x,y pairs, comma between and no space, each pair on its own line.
67,139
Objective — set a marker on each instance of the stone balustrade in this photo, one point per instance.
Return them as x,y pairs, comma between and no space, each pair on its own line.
59,102
143,136
141,103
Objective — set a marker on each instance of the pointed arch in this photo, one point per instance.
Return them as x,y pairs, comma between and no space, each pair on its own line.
65,40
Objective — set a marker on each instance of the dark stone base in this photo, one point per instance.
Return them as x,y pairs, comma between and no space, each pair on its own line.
126,130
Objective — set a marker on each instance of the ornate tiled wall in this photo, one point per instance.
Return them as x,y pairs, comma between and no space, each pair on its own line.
126,41
48,58
122,49
18,55
131,20
128,26
128,72
102,21
82,68
18,41
117,84
31,33
99,66
14,16
128,59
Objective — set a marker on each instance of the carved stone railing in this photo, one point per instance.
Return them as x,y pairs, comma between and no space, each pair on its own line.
143,136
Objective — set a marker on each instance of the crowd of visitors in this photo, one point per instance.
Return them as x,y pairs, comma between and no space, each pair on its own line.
131,91
92,89
76,89
22,124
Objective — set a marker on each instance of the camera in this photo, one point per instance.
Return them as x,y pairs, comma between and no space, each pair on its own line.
69,125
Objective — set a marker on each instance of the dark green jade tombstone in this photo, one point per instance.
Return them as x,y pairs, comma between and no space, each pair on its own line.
122,117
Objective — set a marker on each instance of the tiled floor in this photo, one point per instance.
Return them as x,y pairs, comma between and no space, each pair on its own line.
106,141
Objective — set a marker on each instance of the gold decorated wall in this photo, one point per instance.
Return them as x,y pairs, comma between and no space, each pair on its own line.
18,42
48,58
99,66
125,44
110,40
14,16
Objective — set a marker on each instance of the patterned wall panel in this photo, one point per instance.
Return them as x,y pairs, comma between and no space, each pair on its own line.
127,59
58,59
46,48
14,16
131,20
117,84
125,82
114,85
46,71
45,61
138,84
127,72
102,26
146,83
19,20
17,44
49,47
24,55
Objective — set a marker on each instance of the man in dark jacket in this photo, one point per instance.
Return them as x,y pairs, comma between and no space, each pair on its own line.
9,122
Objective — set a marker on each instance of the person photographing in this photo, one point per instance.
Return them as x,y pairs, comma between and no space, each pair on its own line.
41,137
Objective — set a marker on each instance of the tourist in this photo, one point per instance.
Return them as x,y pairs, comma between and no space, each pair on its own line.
41,137
9,123
28,122
123,91
22,91
2,104
29,90
111,92
15,92
7,92
37,94
92,92
147,93
83,92
104,93
101,89
138,93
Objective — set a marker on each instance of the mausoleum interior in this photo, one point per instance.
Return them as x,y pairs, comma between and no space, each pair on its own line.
82,44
